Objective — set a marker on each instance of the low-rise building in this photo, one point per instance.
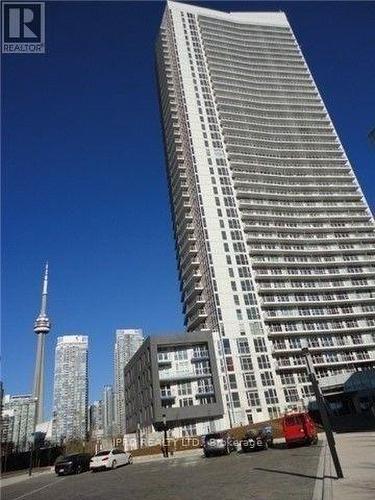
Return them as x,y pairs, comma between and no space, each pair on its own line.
174,380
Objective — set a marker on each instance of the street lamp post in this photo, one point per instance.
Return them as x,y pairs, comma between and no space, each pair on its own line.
165,436
322,409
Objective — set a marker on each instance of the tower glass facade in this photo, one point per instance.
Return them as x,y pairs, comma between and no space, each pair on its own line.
108,411
274,238
127,343
70,403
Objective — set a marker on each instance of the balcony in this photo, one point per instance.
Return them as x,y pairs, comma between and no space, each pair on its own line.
293,302
306,238
191,279
289,351
323,364
330,331
316,286
188,254
189,268
324,315
300,250
195,320
183,375
197,304
193,292
289,216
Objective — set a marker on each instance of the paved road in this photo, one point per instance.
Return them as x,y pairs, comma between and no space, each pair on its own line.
275,474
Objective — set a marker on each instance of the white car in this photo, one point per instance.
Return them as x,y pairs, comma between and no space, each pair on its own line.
110,459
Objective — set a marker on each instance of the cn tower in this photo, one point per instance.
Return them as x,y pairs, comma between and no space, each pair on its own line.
42,326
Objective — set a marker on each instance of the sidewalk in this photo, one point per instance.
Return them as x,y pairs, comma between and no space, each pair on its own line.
177,454
14,477
356,452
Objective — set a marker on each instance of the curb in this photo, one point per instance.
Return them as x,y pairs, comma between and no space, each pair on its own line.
323,489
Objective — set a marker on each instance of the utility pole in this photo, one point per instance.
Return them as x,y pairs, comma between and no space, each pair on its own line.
322,410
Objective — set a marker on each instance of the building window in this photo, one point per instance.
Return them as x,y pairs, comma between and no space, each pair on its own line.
253,398
186,402
226,346
163,355
202,368
243,346
207,400
200,351
184,388
307,391
291,395
181,355
263,361
165,391
260,345
249,380
236,400
205,386
189,430
229,362
287,379
246,363
232,381
273,411
267,379
271,396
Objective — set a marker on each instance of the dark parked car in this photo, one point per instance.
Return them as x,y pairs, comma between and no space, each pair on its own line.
218,443
255,440
72,464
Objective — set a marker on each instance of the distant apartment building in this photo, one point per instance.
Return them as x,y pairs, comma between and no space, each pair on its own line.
18,421
96,421
174,378
274,237
108,412
70,400
127,343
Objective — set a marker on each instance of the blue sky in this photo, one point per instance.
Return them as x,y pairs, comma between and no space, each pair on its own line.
84,182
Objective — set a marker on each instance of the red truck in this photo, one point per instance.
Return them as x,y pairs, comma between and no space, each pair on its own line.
299,428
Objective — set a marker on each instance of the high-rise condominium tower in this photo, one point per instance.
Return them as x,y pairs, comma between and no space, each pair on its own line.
275,240
126,344
70,404
108,411
96,414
